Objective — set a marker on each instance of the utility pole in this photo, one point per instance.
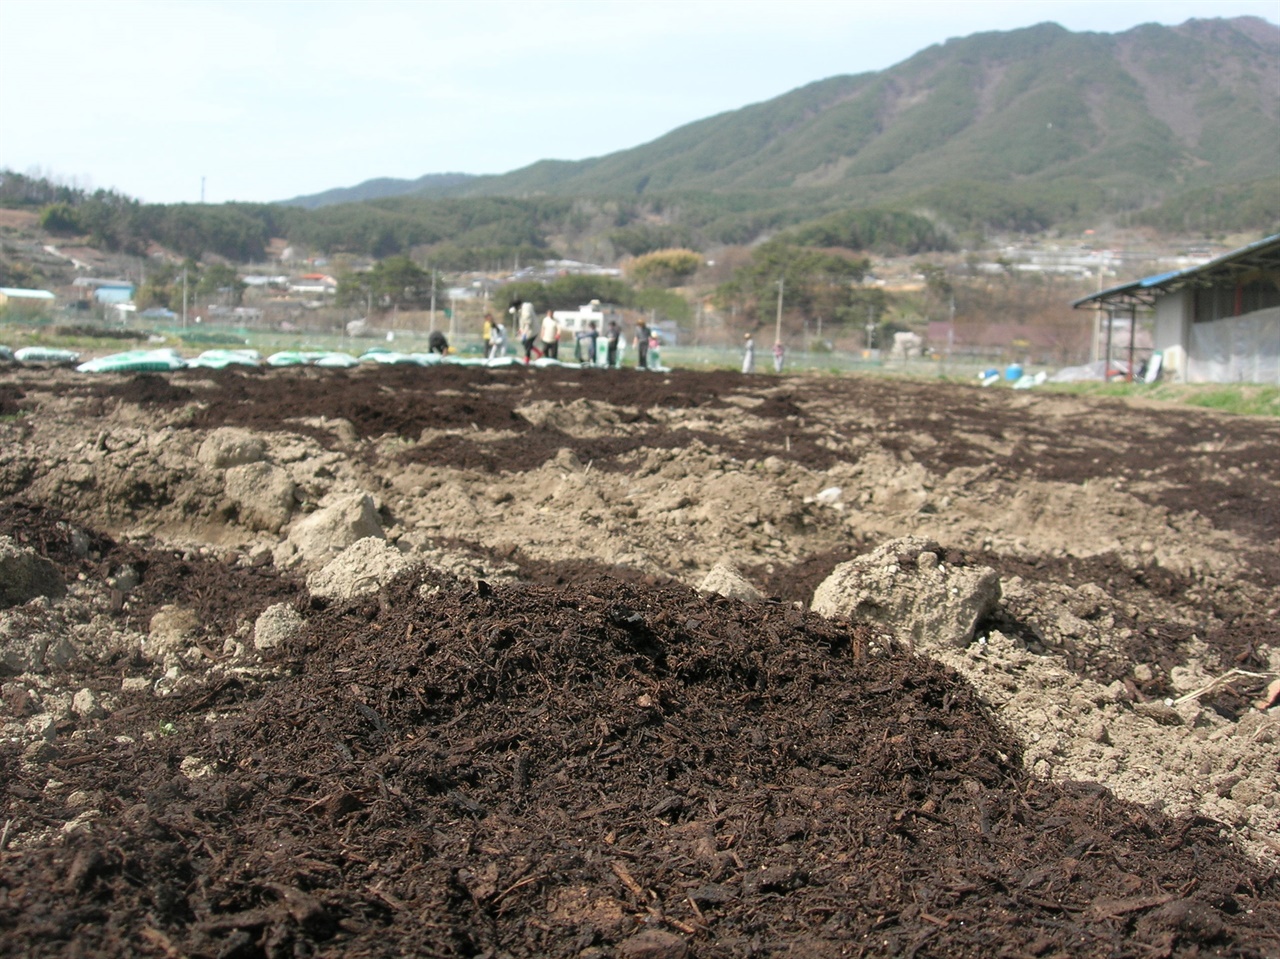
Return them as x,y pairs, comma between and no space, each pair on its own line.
184,297
1097,324
202,190
433,302
777,332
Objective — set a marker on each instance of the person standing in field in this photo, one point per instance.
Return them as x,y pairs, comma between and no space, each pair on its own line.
591,335
642,346
486,333
523,311
550,336
779,352
497,341
614,334
749,355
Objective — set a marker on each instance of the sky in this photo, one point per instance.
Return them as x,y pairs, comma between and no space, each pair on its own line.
259,100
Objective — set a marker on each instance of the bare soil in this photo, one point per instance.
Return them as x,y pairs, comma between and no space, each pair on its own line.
542,739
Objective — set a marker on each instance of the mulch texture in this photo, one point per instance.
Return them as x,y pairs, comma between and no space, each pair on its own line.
609,770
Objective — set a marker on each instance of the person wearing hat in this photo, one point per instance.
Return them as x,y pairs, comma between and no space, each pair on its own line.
749,355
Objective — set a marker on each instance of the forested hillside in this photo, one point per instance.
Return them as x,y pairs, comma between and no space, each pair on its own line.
1062,122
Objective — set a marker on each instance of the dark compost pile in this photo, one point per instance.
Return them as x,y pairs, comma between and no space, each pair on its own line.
607,770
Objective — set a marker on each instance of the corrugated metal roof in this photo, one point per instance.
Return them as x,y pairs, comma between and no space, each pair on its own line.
18,294
1265,253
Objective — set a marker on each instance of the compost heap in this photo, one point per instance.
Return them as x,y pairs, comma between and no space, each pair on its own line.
455,695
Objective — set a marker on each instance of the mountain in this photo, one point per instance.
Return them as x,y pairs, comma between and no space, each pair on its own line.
433,184
1041,122
1197,104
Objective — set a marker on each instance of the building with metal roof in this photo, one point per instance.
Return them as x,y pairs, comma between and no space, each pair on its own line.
25,301
1217,322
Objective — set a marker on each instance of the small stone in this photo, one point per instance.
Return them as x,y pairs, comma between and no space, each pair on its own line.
43,726
172,630
135,684
726,580
85,705
1142,673
193,767
275,625
653,944
17,700
81,824
1162,713
125,578
41,751
259,555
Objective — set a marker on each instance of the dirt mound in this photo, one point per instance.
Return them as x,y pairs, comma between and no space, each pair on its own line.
465,770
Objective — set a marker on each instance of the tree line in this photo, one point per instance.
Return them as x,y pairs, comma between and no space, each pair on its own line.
473,233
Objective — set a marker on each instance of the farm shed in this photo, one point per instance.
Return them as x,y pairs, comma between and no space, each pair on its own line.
29,301
1214,323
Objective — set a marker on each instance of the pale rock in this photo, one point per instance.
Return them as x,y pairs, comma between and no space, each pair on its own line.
81,824
263,494
362,568
328,531
172,630
230,446
829,496
726,580
85,705
125,578
193,767
275,625
931,604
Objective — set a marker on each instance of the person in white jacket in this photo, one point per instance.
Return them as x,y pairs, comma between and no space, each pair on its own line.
550,336
524,316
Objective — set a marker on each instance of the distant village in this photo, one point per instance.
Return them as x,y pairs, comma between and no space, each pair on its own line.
1128,327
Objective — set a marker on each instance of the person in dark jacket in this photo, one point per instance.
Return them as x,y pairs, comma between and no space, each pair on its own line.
613,335
642,346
